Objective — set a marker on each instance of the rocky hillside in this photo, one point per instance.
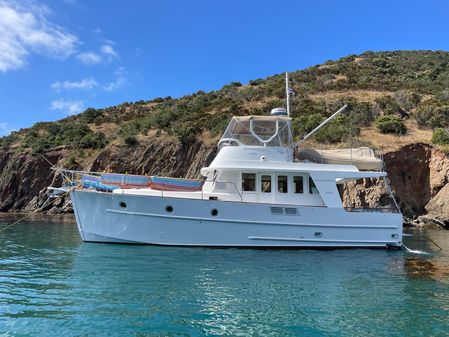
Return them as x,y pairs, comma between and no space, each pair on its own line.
398,102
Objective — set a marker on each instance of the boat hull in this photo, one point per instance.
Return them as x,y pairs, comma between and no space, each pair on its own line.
121,218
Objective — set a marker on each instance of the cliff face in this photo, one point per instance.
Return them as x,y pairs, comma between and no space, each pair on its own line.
24,177
418,175
157,157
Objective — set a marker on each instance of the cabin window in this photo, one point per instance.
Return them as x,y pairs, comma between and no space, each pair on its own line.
249,182
282,184
265,185
298,183
312,187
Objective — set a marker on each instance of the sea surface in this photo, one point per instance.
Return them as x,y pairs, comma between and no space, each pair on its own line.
52,284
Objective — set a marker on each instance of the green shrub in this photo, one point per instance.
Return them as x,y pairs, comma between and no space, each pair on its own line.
390,124
407,99
339,130
76,135
95,140
304,124
131,140
389,106
256,82
432,116
361,113
90,115
440,136
7,141
185,132
129,129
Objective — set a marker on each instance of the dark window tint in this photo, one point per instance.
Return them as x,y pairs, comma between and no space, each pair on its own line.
312,187
298,181
249,182
282,184
265,185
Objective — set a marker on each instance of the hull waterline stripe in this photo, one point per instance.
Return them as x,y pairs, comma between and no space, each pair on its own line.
244,221
320,240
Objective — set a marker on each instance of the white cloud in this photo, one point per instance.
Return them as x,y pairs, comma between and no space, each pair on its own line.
89,58
67,106
85,83
108,50
120,81
6,129
25,29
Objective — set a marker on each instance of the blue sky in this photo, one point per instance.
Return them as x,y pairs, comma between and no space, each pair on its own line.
58,57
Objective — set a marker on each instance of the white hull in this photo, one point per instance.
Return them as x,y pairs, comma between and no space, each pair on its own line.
145,220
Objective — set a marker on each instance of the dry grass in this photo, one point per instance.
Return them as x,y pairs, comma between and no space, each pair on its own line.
385,142
340,78
361,95
109,129
390,142
207,138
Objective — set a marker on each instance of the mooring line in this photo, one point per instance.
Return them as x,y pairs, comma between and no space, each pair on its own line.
435,243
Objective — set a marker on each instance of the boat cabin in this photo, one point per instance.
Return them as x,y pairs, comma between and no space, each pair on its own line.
255,163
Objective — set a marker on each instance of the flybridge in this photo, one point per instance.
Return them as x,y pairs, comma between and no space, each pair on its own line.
258,131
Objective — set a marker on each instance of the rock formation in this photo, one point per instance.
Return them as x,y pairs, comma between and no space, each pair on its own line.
418,175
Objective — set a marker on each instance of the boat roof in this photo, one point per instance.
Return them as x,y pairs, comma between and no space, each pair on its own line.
333,171
262,118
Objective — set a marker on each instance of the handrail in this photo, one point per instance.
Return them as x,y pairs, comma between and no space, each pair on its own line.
372,209
227,182
222,140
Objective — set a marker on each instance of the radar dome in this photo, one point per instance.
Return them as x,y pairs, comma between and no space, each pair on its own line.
278,112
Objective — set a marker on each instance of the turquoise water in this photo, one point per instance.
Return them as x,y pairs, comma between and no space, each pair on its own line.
51,284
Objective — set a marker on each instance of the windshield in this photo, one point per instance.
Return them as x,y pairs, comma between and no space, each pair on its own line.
260,130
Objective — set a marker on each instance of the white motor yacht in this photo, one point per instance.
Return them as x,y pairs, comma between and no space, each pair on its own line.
254,195
257,192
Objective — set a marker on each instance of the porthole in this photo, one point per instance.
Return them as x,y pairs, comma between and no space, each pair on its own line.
214,212
122,204
169,209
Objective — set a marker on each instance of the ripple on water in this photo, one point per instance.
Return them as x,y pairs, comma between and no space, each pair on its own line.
51,284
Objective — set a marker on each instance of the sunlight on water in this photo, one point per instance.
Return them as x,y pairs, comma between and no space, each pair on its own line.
51,284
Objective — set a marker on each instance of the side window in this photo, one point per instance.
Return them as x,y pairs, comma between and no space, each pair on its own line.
265,185
312,187
248,182
298,182
282,184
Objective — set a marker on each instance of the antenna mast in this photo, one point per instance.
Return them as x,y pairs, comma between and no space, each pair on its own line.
287,94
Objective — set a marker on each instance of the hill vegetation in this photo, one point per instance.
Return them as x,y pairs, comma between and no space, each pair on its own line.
394,92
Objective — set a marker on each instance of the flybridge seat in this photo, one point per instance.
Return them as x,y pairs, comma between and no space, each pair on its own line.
363,157
110,181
